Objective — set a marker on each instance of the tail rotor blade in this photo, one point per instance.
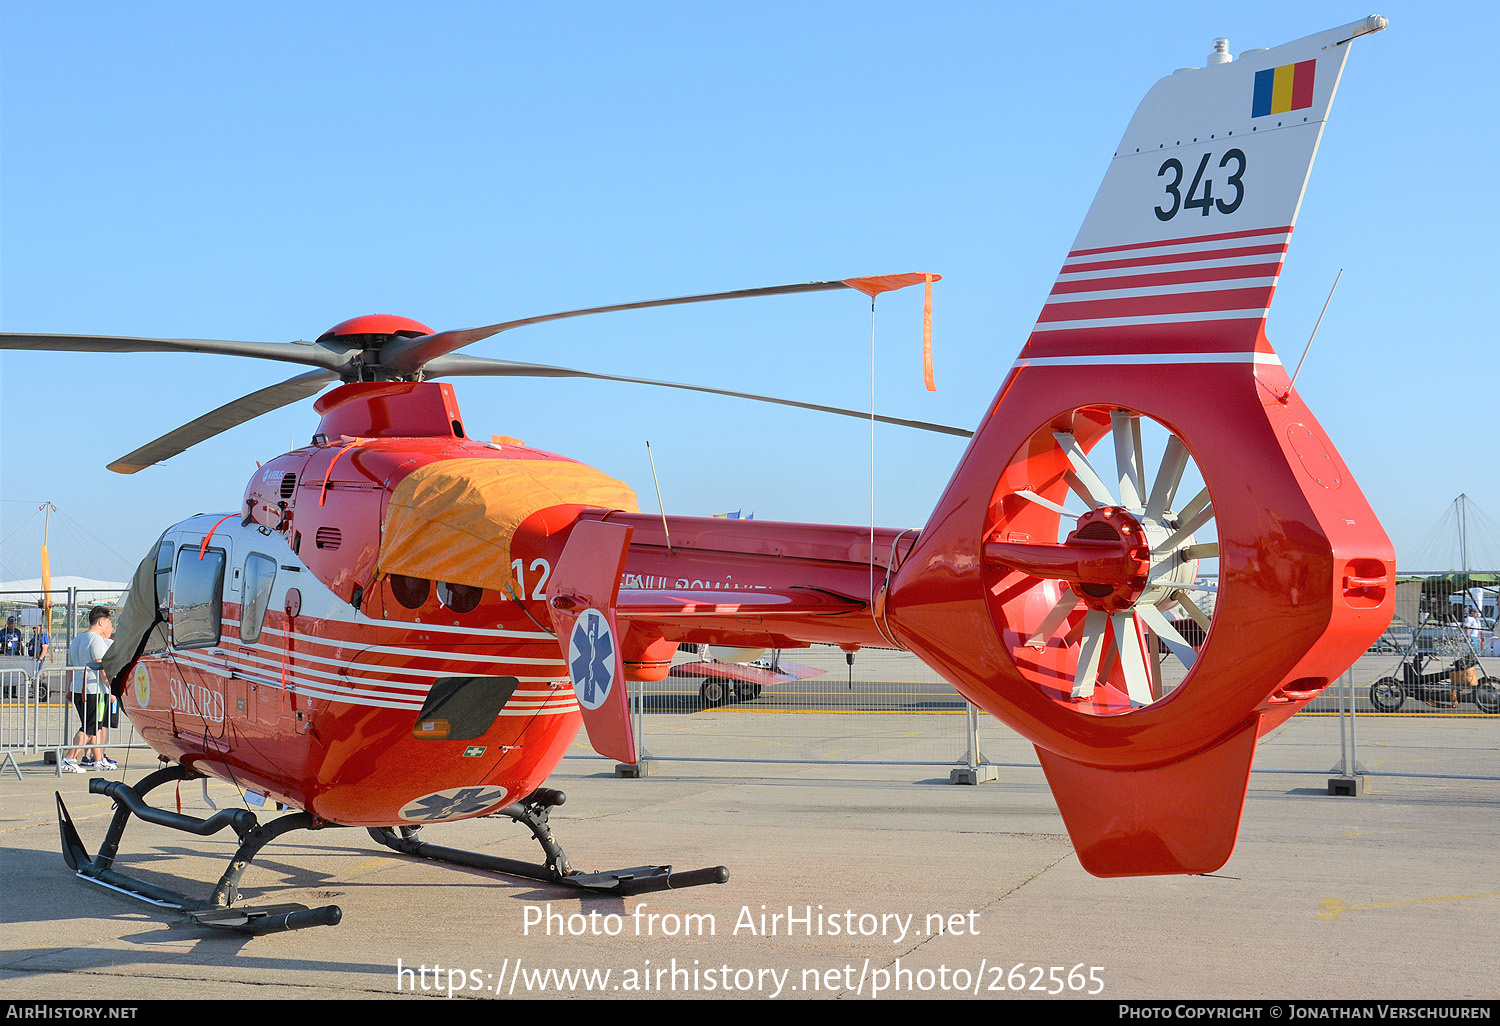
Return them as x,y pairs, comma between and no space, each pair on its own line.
1173,462
1126,428
1083,479
1054,619
1090,652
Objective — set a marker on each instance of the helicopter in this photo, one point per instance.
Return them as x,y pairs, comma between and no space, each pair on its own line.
401,625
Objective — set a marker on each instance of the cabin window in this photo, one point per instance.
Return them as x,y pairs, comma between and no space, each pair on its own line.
163,577
198,598
460,598
462,708
411,592
260,574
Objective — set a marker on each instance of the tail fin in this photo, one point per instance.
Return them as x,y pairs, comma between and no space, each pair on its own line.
1181,250
1062,591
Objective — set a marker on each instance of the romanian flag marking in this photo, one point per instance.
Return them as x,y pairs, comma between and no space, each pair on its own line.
1283,89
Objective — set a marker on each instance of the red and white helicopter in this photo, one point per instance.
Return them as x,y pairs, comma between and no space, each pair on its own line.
401,625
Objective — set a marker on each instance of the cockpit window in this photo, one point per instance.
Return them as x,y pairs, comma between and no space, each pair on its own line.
260,574
198,598
163,576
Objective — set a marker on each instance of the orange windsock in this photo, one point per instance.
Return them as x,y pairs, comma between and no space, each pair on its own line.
927,337
876,284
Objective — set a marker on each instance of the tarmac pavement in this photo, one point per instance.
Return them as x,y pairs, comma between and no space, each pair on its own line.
845,882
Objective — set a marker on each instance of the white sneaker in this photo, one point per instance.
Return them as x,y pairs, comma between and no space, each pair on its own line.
106,764
71,766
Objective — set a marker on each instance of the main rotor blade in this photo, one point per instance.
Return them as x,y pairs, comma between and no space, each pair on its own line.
229,415
481,366
309,354
407,356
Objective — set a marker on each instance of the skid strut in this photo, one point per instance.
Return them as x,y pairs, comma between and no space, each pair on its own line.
217,911
533,813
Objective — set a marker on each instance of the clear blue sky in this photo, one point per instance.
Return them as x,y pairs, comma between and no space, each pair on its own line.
263,171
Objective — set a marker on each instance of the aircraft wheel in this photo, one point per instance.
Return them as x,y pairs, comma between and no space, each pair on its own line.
1102,633
1386,695
713,692
41,693
747,692
1487,695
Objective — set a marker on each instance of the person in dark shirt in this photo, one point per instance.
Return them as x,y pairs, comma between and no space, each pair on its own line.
11,642
38,647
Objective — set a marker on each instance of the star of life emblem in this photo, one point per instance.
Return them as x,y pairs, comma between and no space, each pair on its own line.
591,659
454,803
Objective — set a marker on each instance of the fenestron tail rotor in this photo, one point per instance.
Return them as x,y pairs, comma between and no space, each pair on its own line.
387,348
1119,568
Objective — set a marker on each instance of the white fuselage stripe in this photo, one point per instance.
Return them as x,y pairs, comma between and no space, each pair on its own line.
1186,288
1178,248
1146,359
357,691
1181,318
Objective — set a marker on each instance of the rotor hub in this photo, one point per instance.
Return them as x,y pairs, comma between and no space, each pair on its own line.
375,326
1133,571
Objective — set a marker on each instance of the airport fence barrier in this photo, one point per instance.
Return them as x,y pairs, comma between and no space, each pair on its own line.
38,715
18,715
888,708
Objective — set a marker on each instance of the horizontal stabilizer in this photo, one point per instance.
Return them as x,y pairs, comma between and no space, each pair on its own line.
1181,817
732,605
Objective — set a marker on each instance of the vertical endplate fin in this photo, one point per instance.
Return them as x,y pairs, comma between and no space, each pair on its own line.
584,588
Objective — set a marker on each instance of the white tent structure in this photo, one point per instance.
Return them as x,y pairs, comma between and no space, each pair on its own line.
28,592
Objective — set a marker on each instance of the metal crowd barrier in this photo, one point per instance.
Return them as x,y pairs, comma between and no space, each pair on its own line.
892,711
18,716
889,709
37,716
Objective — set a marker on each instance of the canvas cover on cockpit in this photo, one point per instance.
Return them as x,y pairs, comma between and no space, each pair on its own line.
139,627
454,520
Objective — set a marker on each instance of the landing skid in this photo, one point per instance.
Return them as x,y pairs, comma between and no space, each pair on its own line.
219,910
533,813
216,911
